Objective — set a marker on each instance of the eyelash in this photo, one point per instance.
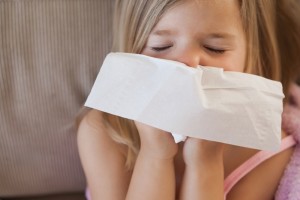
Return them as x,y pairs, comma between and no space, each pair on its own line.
217,51
158,49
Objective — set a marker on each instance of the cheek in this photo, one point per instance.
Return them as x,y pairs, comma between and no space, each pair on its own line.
228,63
234,68
240,63
235,63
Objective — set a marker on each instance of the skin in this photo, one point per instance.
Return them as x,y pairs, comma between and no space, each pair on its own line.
196,168
295,96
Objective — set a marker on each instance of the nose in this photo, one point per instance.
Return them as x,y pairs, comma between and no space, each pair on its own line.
189,56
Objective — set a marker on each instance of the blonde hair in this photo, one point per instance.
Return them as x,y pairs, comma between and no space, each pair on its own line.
134,20
272,29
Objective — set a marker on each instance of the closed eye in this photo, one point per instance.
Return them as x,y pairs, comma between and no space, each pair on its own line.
215,50
161,48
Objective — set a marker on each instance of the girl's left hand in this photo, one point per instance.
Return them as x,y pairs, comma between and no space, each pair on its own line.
204,170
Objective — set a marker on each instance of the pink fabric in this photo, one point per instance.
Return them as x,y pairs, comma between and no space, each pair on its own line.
289,187
253,162
87,194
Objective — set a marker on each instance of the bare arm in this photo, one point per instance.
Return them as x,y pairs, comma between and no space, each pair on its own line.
154,176
204,171
102,160
104,163
152,179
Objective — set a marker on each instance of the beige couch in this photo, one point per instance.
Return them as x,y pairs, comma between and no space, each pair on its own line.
50,54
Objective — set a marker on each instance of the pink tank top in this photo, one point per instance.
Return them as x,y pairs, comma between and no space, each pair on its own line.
233,178
253,162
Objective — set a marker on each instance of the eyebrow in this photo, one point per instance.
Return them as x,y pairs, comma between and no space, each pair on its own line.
221,36
163,32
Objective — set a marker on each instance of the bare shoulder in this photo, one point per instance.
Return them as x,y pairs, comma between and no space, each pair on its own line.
262,182
102,158
92,120
95,131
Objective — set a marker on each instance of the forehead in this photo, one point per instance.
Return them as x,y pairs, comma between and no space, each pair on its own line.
203,15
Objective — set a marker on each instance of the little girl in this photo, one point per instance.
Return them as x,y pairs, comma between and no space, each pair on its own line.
123,159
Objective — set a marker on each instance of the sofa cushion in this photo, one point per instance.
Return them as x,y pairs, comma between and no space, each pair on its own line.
50,54
75,196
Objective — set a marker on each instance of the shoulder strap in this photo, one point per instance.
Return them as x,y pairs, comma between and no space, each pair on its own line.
253,162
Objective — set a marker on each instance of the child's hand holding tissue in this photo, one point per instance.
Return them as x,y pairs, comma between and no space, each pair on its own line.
199,72
156,143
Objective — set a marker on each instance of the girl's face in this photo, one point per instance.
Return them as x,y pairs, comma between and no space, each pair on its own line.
207,33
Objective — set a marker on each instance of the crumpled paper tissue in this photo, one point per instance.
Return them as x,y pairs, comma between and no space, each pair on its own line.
203,102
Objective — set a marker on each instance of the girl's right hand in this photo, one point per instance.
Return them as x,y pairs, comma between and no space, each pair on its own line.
156,143
198,152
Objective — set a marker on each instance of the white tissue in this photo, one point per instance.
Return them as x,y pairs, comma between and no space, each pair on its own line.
203,102
178,138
